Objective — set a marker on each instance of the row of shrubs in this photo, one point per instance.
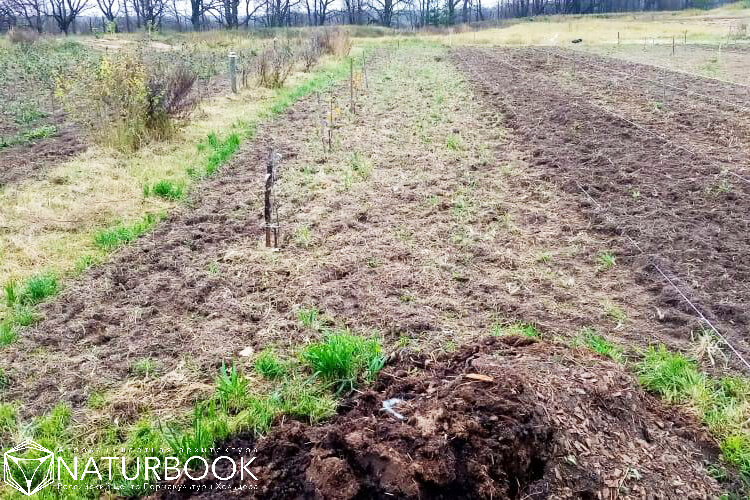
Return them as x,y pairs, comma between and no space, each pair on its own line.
136,96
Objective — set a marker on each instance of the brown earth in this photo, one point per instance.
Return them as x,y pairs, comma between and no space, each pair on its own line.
683,209
28,160
546,422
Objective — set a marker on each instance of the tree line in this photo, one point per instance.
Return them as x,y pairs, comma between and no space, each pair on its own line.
86,16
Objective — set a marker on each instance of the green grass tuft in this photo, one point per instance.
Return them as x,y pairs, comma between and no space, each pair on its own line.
605,261
518,328
54,426
343,358
38,288
591,339
310,317
671,375
168,190
8,418
8,334
268,365
144,368
110,239
231,388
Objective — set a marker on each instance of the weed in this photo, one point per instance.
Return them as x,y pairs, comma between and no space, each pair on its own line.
38,288
303,398
185,444
635,194
707,345
461,206
360,165
605,261
11,293
8,418
213,268
303,236
231,388
55,424
168,190
344,358
672,376
309,317
518,328
144,368
268,365
615,313
97,401
84,263
8,334
109,239
544,258
591,339
453,142
23,315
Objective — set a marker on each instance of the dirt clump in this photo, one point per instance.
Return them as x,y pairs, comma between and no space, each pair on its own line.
501,418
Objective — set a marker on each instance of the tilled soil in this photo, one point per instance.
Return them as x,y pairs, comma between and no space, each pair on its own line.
28,160
683,209
543,422
434,246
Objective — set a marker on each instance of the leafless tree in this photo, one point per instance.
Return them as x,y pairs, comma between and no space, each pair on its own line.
110,9
32,11
65,12
230,13
151,12
385,10
317,11
7,16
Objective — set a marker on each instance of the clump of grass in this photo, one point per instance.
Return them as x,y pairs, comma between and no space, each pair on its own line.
518,328
303,398
605,261
722,404
453,142
168,190
109,239
96,401
185,443
8,334
23,315
38,288
360,165
11,292
591,339
343,358
54,425
84,263
8,418
615,313
310,317
303,236
544,258
221,151
268,365
144,368
231,388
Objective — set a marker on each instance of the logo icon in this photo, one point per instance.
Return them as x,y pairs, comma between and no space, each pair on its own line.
28,467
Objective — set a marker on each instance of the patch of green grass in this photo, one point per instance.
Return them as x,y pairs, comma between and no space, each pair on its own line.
591,339
12,294
303,236
360,165
38,288
83,263
518,328
544,258
462,206
8,334
615,313
303,398
269,365
453,142
23,315
231,388
260,413
605,261
110,239
310,317
168,190
39,133
8,418
184,443
144,368
671,375
343,358
97,401
221,151
54,425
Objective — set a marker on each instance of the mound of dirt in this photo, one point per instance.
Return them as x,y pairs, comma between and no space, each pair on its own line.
506,418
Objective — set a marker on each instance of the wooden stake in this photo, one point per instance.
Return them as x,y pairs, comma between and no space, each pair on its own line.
351,85
685,37
618,38
364,70
233,71
672,45
267,212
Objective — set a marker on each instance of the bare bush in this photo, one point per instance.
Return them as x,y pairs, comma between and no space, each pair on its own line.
22,36
127,101
310,52
274,66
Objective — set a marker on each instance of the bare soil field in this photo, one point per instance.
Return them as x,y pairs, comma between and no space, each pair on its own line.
511,435
680,195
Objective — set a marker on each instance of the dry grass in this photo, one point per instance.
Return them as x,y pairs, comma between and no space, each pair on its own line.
49,222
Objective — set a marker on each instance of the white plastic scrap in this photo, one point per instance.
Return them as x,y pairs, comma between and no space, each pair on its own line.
389,404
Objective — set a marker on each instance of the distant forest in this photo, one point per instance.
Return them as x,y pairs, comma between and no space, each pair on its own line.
96,16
